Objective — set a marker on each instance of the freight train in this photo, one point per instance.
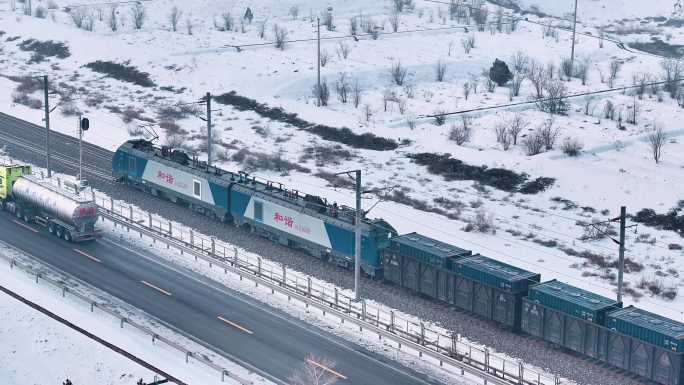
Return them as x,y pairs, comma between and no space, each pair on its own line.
594,326
65,214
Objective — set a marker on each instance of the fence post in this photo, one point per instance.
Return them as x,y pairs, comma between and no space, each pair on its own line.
392,321
363,309
213,246
521,373
308,286
149,220
37,276
284,276
556,379
192,239
170,230
422,333
486,363
64,291
111,204
259,266
122,322
336,298
235,257
130,212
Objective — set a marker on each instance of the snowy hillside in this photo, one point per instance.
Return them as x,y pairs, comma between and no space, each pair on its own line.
164,70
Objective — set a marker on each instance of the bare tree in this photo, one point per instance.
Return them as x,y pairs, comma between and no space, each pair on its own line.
641,81
613,70
656,140
635,109
328,20
516,83
325,57
315,371
354,26
571,147
516,126
609,110
322,93
398,73
555,102
582,70
672,69
343,87
534,144
78,15
519,62
280,37
440,70
174,18
394,21
502,136
294,11
139,14
113,20
356,93
537,76
228,22
549,134
468,43
566,67
189,25
343,50
261,28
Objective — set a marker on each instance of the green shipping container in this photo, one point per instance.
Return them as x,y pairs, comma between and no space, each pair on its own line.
427,250
499,275
573,301
649,327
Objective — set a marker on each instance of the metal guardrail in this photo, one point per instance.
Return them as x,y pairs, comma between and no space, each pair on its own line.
446,349
14,263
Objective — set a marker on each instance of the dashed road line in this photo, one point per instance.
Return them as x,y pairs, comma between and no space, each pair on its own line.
233,324
155,288
25,226
325,368
83,253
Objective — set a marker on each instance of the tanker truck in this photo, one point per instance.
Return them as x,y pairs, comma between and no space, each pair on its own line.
65,214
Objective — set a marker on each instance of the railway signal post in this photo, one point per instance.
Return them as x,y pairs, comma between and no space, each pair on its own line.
47,127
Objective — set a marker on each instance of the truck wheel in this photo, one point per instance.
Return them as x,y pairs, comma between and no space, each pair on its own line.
51,228
67,236
18,213
58,232
27,219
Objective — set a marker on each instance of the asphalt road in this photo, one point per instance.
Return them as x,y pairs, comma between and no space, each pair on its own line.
243,328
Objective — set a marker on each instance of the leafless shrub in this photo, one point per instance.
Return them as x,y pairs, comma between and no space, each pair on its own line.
461,133
261,28
571,147
480,15
503,136
538,77
325,57
440,70
139,14
534,143
322,93
440,117
641,80
354,26
656,141
566,67
516,83
343,50
25,100
227,22
634,111
581,71
411,122
672,72
555,101
174,18
78,15
280,37
356,93
175,140
549,134
389,96
398,73
609,110
516,126
189,26
343,87
40,12
394,21
88,22
519,63
613,71
481,223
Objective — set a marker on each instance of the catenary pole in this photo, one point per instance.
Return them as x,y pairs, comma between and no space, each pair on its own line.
318,60
47,127
574,31
357,237
209,141
621,261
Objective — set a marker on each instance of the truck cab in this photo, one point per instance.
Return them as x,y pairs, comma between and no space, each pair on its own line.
8,175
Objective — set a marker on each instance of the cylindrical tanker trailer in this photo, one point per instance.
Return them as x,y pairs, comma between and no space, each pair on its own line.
65,214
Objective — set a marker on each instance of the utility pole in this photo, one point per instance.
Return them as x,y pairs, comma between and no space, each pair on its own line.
621,261
209,129
318,60
357,237
574,30
80,152
47,127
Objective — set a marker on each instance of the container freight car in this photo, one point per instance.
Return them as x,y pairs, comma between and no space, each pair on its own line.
492,289
645,344
566,315
65,214
288,217
422,264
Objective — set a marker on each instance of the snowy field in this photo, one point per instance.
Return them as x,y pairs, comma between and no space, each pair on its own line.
538,232
39,350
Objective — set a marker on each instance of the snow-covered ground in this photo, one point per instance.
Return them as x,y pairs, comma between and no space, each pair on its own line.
533,231
39,350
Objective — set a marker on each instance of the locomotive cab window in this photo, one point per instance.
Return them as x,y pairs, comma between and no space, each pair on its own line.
197,189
